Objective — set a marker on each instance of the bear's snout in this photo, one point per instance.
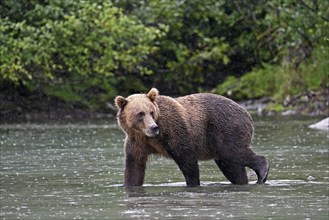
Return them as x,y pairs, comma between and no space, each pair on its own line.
155,128
152,131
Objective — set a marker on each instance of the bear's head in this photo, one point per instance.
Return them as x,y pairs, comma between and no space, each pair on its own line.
138,113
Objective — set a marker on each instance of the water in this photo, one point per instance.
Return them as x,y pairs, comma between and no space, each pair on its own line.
75,171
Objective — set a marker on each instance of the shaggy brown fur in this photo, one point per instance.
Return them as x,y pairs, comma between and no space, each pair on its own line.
188,129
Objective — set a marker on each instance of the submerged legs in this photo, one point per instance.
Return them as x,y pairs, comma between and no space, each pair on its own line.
234,167
235,173
261,166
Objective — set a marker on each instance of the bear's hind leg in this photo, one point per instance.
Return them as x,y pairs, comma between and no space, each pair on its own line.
191,173
261,166
190,170
235,173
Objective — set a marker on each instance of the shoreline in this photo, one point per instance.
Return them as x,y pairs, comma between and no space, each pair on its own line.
308,103
16,108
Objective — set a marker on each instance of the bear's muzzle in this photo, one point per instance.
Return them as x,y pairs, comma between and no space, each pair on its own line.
152,131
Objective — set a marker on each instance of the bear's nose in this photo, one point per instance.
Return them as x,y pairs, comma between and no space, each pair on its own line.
155,128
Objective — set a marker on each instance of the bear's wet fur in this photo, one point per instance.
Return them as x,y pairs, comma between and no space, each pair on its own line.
188,129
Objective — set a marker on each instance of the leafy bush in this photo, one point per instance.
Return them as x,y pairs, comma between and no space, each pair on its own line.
89,50
67,51
255,84
279,81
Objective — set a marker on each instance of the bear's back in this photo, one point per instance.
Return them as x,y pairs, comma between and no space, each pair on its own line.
213,106
204,115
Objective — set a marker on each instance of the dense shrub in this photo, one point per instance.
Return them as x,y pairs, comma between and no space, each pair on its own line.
90,50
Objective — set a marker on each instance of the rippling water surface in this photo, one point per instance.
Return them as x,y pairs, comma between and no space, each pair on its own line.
75,171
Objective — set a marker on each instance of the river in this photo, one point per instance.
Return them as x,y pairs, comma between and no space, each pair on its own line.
61,170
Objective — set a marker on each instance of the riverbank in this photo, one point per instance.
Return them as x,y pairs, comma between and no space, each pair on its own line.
308,103
25,106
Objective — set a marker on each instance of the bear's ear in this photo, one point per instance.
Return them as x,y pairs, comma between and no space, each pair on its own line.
152,94
120,102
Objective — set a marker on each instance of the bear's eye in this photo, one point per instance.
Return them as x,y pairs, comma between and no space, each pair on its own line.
152,114
140,114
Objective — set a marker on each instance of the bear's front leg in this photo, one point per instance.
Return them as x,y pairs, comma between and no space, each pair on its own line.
135,166
134,171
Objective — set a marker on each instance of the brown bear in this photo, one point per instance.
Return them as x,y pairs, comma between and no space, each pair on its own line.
187,129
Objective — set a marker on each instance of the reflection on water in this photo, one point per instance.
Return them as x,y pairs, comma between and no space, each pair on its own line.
75,171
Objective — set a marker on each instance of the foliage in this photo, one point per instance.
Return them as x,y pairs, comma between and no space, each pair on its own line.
210,40
311,75
280,80
196,53
89,50
258,83
275,107
67,51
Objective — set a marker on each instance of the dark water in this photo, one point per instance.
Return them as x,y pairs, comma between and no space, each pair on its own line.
75,171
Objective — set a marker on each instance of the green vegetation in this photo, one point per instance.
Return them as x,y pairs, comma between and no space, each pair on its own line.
279,80
68,49
88,51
